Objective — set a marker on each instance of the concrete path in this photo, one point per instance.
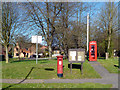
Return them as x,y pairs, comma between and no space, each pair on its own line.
107,78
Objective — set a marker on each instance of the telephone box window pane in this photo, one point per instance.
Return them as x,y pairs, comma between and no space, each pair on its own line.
92,50
92,47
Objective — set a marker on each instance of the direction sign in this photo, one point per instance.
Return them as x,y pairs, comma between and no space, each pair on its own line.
34,39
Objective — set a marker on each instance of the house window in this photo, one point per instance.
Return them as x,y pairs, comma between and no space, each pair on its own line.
17,54
17,49
56,52
26,48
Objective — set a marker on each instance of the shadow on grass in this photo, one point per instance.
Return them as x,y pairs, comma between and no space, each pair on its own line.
100,57
116,66
119,63
27,60
75,66
49,69
20,81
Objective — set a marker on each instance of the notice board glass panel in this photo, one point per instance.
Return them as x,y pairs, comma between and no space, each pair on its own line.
72,56
81,55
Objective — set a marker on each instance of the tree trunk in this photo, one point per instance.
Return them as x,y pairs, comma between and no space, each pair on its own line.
6,54
19,53
66,51
109,42
50,51
109,39
66,54
107,55
99,54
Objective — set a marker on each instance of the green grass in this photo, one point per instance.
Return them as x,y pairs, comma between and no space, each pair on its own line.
45,69
111,64
57,85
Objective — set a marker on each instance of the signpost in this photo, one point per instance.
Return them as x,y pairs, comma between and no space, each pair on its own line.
36,39
76,56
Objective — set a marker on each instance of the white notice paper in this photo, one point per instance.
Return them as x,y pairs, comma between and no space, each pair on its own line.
79,58
73,54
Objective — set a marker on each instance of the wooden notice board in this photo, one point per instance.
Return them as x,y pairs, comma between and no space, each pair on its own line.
76,56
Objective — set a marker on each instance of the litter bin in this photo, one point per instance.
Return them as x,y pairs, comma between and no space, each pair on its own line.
60,66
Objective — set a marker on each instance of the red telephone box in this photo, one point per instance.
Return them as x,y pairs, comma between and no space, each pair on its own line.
60,66
92,51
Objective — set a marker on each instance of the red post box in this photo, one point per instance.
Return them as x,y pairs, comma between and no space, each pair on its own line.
60,66
92,51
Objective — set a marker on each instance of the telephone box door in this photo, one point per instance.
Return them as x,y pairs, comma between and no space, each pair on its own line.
93,51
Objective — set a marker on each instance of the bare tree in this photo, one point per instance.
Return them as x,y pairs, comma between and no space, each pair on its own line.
9,25
44,15
108,24
71,29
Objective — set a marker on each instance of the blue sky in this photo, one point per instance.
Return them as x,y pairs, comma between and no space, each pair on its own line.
97,7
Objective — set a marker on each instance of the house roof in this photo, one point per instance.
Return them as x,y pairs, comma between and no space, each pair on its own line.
43,47
26,51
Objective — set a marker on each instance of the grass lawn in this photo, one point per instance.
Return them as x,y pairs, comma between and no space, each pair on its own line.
45,69
57,85
111,64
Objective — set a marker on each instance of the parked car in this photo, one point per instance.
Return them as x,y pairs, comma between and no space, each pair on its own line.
2,58
39,56
10,56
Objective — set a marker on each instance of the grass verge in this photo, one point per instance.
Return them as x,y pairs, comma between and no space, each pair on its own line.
111,64
45,69
56,85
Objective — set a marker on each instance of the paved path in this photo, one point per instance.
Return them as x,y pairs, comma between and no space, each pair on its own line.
107,78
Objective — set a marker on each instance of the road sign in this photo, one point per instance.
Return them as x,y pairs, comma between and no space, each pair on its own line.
34,39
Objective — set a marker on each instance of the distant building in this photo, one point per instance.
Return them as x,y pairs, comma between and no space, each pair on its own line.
26,52
3,49
56,52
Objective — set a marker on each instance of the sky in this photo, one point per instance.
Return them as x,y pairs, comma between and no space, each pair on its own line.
93,15
60,0
97,7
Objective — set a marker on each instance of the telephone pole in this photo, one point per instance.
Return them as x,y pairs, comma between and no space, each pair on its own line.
87,35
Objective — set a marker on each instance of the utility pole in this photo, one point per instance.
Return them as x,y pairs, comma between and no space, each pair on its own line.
87,35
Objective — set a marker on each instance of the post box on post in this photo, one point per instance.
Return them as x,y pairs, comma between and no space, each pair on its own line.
93,51
60,66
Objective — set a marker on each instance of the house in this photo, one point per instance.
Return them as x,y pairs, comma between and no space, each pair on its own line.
43,48
28,51
23,52
56,51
